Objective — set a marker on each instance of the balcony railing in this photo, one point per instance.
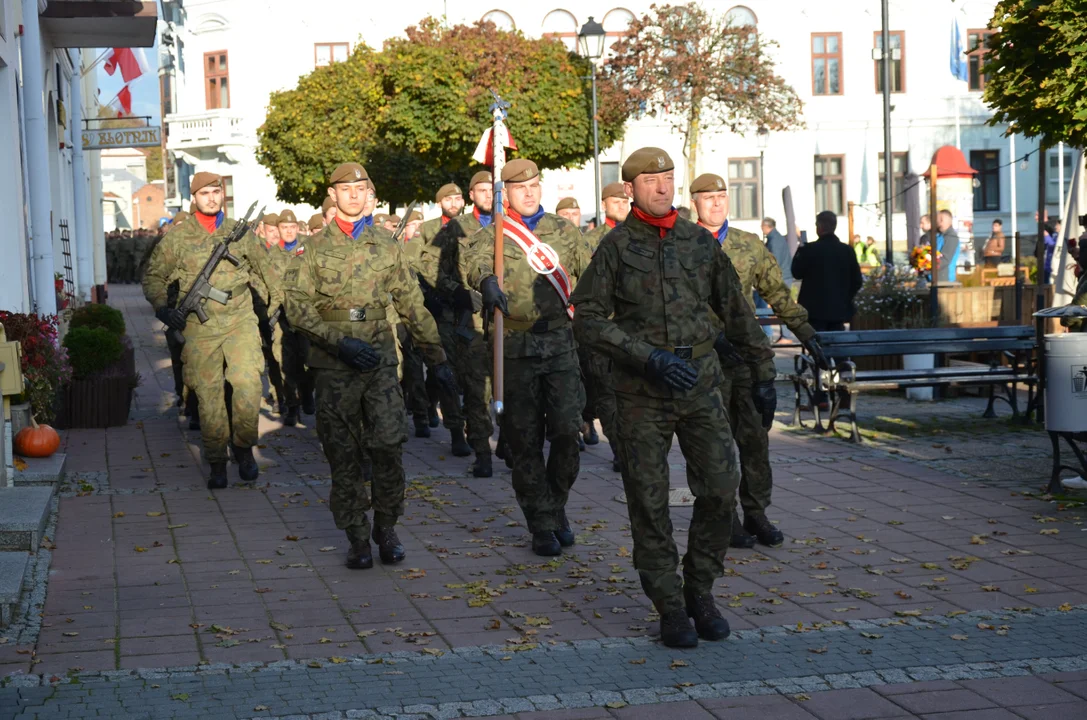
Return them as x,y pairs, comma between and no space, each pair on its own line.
209,128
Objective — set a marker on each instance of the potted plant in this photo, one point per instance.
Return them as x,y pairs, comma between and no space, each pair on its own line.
103,370
44,364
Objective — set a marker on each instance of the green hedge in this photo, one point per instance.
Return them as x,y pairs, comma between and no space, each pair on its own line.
92,349
98,316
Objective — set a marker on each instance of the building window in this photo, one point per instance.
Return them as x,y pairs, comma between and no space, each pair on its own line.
740,16
1054,193
228,195
501,19
562,26
977,49
216,80
898,62
987,191
328,53
826,63
609,173
900,163
744,175
616,25
830,183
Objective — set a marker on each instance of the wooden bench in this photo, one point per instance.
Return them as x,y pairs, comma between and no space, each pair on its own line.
1010,363
767,318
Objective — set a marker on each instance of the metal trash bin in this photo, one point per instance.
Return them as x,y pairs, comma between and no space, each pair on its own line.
1066,382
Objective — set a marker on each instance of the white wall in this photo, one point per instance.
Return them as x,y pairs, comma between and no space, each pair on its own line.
14,288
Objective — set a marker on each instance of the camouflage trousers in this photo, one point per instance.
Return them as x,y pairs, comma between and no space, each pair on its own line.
360,422
413,375
471,358
544,398
289,349
599,391
271,347
646,426
234,357
192,404
756,477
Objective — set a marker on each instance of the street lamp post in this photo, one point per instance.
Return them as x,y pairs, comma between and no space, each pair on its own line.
764,142
590,41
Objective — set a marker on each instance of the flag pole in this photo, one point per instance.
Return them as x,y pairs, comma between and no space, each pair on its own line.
498,135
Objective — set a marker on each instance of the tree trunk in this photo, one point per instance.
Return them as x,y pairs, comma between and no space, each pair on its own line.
694,125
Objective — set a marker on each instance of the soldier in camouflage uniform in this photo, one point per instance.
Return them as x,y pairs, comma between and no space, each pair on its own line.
145,240
758,272
460,323
648,301
229,339
291,348
568,209
264,245
113,237
596,367
338,295
544,394
126,257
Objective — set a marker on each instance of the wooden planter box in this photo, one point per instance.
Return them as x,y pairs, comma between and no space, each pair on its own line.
98,402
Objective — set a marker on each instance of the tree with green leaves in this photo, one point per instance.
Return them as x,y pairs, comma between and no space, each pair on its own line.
415,111
704,72
1036,70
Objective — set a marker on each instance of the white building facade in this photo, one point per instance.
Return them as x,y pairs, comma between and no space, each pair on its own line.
224,57
49,187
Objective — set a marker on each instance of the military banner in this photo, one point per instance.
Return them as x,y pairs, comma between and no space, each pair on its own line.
104,138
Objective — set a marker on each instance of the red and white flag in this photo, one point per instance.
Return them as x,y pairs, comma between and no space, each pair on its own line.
123,102
131,62
484,154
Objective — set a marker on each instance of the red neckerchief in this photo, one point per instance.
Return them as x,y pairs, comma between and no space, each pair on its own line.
664,224
609,222
346,226
206,221
475,214
445,220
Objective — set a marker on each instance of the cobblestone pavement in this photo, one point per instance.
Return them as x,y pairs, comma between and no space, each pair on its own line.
917,565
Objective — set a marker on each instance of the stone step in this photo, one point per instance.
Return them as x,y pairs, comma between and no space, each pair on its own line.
41,471
13,567
24,512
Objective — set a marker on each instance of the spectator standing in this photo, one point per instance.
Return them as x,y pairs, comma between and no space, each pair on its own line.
830,276
1052,229
947,244
993,251
778,246
867,254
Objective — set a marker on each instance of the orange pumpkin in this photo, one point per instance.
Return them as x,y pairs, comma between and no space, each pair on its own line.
37,441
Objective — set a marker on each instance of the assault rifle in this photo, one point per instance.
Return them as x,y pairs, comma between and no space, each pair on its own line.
201,288
403,221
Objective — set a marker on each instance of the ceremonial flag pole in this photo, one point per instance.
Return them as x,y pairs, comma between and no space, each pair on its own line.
498,135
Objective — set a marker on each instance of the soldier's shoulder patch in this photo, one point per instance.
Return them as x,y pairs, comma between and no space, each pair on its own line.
290,277
329,252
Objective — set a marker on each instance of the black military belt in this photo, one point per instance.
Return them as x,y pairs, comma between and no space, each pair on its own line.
539,326
691,352
353,314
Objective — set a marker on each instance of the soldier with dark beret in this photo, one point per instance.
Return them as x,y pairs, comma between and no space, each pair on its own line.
654,300
616,208
758,272
544,393
569,209
338,296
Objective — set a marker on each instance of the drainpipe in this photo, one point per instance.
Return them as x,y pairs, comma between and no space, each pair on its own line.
83,249
37,160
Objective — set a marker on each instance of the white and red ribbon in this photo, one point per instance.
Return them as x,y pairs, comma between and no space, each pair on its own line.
542,258
484,154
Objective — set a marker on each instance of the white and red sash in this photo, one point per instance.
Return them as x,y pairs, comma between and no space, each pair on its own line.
542,258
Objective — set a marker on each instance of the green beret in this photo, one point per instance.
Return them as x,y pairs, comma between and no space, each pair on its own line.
567,203
483,176
648,160
613,190
519,171
447,190
348,173
708,182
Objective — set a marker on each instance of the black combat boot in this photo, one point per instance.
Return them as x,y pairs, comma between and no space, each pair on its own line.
281,405
459,446
591,437
359,556
564,534
615,466
422,429
194,422
482,468
676,630
217,479
707,618
741,538
388,545
247,464
545,544
433,418
309,407
581,442
760,526
291,418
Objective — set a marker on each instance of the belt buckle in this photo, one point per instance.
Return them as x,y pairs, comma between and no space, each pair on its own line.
357,314
684,352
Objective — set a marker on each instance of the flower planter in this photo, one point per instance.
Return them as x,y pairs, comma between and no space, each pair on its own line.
98,402
20,417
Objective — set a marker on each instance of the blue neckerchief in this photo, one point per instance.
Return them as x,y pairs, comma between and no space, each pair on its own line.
534,219
361,224
291,245
721,233
219,219
368,221
485,220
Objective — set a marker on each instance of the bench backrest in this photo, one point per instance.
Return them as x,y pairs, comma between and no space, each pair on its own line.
870,343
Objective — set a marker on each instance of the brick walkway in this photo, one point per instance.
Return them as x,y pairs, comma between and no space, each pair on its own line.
936,515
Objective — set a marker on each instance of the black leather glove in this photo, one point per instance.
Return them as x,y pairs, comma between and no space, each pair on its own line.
493,297
672,370
446,379
816,351
765,397
726,351
359,355
172,318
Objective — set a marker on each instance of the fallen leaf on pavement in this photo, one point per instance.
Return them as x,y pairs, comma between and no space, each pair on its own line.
327,548
433,651
1065,607
960,637
990,588
678,664
140,549
1049,531
908,613
615,704
977,540
639,661
337,660
120,514
871,636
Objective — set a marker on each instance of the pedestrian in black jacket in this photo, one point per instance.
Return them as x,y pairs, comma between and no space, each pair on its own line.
830,276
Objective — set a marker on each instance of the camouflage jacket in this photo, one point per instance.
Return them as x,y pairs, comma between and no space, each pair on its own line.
594,236
758,270
642,292
180,255
531,296
439,262
273,263
337,274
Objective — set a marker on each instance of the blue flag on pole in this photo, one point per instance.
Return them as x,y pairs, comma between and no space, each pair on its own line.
959,69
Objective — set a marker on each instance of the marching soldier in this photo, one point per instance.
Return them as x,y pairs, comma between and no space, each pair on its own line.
316,223
264,305
328,211
616,208
544,394
337,295
758,271
229,339
648,302
291,347
126,257
569,209
463,333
